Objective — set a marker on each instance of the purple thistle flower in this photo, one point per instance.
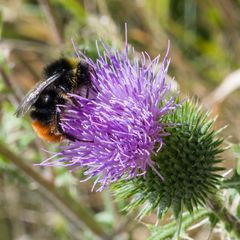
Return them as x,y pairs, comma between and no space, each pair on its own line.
120,123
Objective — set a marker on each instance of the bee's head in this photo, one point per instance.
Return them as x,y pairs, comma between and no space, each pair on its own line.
59,66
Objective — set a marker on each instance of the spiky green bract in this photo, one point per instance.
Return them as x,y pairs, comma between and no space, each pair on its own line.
188,163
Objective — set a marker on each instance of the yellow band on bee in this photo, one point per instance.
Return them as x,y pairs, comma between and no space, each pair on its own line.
73,62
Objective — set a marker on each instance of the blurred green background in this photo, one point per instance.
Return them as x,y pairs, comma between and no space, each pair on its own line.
205,57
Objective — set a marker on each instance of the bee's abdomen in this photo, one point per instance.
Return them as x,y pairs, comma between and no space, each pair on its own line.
46,132
42,115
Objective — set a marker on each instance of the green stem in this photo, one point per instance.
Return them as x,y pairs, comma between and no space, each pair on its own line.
179,224
80,218
231,222
229,184
168,230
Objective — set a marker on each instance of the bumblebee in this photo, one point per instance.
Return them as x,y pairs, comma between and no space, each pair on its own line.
60,78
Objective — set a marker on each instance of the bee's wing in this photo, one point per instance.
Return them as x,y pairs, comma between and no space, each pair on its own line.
32,96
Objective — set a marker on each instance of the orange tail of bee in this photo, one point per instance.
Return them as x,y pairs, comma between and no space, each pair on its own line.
44,132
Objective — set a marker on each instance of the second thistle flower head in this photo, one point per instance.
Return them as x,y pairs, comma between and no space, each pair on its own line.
119,126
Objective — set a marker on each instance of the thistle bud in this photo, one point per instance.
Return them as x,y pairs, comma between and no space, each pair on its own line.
188,162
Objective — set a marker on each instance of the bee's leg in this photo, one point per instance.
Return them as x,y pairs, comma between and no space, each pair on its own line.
87,92
67,98
92,70
74,101
91,87
65,134
60,129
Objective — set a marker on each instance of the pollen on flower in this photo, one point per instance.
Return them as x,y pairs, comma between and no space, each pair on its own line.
120,123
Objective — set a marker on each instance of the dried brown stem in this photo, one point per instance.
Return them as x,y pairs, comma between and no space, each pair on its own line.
80,218
53,20
8,83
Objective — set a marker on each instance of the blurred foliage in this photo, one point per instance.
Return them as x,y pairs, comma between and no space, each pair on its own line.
204,49
234,181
